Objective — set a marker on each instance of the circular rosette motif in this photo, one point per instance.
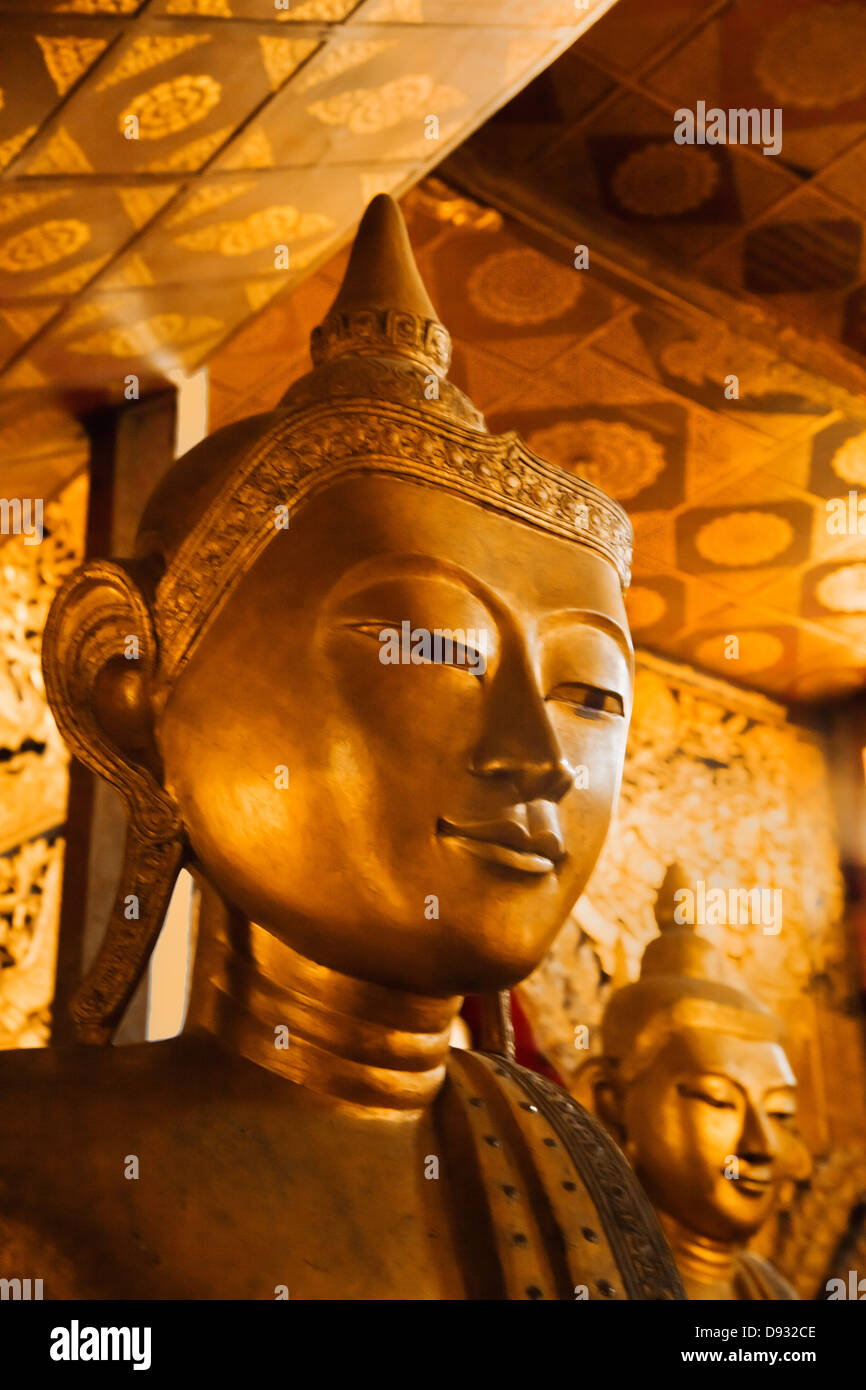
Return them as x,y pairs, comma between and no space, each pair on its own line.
266,227
172,106
644,606
756,651
744,538
612,454
844,590
814,58
849,460
520,286
43,245
665,180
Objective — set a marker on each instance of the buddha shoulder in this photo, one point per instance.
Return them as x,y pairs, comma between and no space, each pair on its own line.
103,1151
52,1097
563,1214
65,1113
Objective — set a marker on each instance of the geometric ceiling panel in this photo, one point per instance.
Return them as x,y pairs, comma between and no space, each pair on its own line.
783,231
167,167
724,399
384,99
223,229
40,65
807,255
163,103
52,243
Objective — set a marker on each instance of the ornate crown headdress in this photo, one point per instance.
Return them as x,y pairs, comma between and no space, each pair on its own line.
381,357
377,401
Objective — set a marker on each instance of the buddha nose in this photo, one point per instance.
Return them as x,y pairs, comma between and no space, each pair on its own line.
519,744
757,1142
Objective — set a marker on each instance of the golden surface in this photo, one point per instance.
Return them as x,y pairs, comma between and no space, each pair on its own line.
695,1084
61,154
269,227
33,776
43,245
67,59
172,106
148,52
721,782
335,85
424,836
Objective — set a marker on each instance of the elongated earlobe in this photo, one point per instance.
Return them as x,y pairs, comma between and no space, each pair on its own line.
99,657
607,1103
122,706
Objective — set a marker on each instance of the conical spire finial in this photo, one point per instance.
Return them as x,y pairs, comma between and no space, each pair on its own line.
685,982
382,273
382,308
679,949
664,911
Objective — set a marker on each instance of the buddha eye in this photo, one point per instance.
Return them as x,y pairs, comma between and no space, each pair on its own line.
402,644
695,1093
589,701
452,652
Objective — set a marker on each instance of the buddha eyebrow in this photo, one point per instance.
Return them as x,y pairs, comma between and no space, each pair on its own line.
379,569
697,1075
695,1078
590,617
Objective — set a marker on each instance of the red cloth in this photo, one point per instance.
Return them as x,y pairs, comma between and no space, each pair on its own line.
527,1053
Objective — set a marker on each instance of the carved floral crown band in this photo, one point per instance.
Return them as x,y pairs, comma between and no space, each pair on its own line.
377,402
305,454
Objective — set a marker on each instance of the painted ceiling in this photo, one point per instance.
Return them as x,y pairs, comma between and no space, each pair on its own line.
703,262
708,261
168,166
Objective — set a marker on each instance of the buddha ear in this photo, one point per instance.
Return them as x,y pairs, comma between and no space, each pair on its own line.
606,1097
99,658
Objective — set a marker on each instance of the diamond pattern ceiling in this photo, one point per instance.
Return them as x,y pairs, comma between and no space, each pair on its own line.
699,267
706,261
169,166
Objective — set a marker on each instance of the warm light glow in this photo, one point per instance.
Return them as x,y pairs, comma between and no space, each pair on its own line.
172,958
192,409
170,965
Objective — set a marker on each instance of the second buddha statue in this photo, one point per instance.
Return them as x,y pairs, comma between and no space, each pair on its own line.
696,1085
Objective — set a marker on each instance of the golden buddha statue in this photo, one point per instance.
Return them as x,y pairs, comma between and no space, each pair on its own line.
374,838
695,1085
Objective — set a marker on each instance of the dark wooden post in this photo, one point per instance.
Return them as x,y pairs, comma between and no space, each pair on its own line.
131,446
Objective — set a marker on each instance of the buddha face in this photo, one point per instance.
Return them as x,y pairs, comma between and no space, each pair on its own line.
412,811
710,1125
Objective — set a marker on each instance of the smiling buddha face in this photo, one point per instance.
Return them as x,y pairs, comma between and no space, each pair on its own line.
369,676
407,782
696,1085
424,823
